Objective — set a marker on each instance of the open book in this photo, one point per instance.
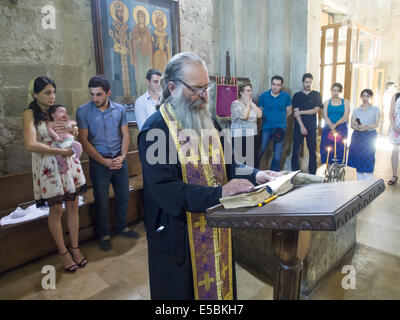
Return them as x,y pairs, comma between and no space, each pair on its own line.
279,186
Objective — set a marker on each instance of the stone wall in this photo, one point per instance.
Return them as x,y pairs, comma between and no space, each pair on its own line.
314,40
382,17
263,37
199,30
65,54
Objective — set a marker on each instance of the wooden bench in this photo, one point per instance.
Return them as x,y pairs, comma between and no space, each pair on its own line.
23,242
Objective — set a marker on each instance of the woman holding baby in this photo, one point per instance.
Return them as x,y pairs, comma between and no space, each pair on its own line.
53,186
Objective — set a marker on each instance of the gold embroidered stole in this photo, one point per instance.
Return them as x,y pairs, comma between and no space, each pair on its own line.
210,248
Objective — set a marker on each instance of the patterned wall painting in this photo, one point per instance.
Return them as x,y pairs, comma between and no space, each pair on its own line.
131,37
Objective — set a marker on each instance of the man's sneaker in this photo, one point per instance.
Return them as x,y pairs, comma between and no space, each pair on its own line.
105,244
129,233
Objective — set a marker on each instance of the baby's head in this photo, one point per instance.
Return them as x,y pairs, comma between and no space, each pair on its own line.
57,112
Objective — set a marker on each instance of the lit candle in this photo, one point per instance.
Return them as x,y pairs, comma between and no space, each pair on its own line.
344,153
327,157
347,156
335,135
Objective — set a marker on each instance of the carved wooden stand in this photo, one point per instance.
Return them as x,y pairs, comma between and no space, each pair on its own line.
292,217
291,247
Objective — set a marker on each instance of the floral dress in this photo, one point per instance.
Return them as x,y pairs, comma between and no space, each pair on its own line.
49,184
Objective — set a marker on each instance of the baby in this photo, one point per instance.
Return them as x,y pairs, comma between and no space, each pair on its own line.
63,140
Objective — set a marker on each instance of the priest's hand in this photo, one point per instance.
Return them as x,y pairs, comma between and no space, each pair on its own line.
267,175
236,186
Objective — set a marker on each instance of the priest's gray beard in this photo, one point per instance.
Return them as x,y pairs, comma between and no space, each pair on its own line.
192,115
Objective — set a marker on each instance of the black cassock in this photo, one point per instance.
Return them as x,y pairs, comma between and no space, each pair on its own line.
166,199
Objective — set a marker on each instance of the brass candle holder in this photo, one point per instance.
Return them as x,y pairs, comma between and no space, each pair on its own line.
335,172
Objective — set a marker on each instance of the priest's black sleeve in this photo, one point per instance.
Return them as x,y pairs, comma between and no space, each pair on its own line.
163,182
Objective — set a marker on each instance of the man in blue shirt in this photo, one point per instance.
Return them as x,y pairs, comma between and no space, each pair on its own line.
145,105
104,135
277,106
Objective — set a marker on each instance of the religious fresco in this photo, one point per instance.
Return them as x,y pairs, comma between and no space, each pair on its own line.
136,35
161,40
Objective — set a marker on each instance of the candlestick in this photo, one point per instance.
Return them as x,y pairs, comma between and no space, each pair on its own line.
335,135
327,158
344,153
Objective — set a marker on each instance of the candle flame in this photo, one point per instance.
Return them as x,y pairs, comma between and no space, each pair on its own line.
329,149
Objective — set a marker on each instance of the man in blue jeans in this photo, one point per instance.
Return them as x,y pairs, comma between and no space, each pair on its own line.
277,106
104,135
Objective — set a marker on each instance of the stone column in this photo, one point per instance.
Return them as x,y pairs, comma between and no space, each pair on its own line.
294,32
227,31
314,40
279,33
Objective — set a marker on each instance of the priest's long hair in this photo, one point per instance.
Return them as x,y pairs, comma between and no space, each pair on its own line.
191,115
174,70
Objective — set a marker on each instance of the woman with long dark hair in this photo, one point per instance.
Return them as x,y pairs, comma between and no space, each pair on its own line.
336,112
50,186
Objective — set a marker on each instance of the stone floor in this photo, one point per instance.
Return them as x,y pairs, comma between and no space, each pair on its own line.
122,272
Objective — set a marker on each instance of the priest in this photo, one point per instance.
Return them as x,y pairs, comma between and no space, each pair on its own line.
186,171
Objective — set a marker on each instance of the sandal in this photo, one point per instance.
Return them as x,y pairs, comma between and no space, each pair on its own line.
81,263
72,267
393,181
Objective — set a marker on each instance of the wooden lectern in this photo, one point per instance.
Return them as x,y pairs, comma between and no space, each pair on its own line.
292,217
